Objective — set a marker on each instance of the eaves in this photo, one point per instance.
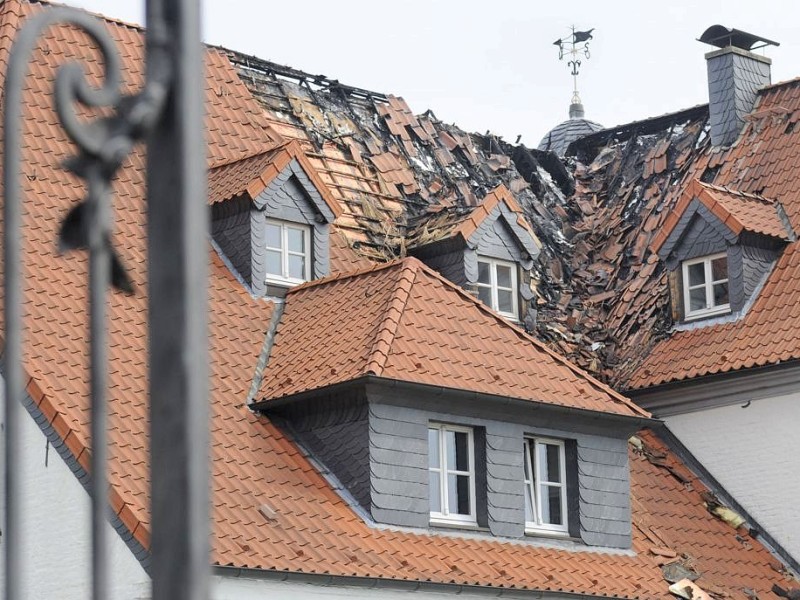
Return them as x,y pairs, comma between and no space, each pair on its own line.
721,389
398,585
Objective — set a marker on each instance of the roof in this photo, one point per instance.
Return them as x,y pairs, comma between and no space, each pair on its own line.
562,135
254,173
762,162
454,222
253,462
405,322
735,210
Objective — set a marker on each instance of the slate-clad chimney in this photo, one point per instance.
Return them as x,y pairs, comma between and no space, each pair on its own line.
735,74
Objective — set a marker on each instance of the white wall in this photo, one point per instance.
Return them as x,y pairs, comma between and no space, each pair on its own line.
56,545
754,453
56,548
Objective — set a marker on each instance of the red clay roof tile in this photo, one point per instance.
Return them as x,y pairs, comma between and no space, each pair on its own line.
253,462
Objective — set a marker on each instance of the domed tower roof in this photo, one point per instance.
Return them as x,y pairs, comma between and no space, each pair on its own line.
562,135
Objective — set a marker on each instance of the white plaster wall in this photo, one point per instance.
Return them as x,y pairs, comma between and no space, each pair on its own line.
226,588
754,453
56,548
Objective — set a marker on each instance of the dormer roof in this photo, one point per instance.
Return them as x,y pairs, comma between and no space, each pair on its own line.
406,322
253,174
735,212
462,224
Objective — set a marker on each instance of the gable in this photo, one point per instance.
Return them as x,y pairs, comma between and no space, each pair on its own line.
697,233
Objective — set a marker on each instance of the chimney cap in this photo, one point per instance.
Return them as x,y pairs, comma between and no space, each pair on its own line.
722,37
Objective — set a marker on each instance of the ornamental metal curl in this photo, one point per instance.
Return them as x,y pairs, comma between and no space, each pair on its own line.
103,144
572,47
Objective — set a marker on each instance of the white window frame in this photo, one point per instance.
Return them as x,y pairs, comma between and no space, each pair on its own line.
708,284
534,484
443,516
284,278
493,287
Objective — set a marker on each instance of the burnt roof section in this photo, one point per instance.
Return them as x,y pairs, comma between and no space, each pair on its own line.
587,147
723,37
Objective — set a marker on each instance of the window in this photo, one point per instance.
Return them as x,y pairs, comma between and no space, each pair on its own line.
497,286
545,486
451,469
288,257
705,286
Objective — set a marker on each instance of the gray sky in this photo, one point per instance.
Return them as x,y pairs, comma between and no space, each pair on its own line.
492,64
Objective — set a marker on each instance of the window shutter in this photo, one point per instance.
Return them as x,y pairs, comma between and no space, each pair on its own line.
675,295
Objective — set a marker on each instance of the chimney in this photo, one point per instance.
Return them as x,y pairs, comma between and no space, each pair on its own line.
735,74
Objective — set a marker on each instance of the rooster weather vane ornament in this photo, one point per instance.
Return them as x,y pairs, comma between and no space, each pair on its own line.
572,46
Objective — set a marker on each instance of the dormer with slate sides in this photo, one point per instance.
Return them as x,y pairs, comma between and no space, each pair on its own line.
431,411
719,246
270,217
488,250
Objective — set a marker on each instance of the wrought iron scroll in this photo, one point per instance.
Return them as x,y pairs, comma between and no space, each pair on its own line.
173,47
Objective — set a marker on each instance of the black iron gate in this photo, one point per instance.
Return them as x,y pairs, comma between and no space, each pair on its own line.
167,115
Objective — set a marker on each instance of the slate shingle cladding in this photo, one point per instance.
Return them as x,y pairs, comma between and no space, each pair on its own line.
734,77
374,439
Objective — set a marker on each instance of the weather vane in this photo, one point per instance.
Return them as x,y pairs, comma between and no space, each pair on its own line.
572,47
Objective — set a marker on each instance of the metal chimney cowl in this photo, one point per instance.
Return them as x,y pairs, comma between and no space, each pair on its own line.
735,74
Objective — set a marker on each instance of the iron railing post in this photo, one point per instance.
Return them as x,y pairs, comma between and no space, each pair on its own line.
177,267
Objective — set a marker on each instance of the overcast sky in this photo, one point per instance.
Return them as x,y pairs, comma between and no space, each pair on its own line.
491,64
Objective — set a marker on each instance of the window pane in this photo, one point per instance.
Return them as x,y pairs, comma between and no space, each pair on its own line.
503,276
720,293
719,269
549,463
274,263
697,274
505,301
297,266
434,491
485,295
273,235
697,299
433,448
458,494
483,273
551,505
457,450
296,240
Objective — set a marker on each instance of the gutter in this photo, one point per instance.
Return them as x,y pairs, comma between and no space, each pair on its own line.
424,389
402,585
719,389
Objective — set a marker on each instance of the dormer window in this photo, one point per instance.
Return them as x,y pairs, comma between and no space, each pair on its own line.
545,486
497,284
287,253
719,246
705,286
451,474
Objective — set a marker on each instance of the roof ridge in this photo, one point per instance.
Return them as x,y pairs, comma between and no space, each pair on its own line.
225,162
387,330
347,275
106,18
735,192
590,379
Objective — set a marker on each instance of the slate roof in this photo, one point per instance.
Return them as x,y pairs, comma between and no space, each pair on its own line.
406,322
253,463
562,135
